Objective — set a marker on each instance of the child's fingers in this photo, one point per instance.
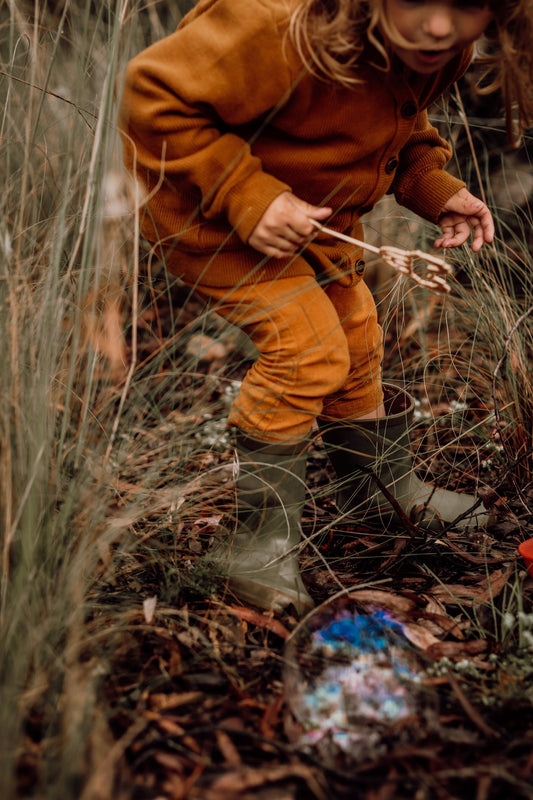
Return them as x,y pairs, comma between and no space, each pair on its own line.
318,212
274,248
299,212
455,231
465,215
278,242
483,225
478,234
269,245
285,226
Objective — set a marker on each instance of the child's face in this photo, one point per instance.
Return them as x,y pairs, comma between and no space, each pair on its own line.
437,29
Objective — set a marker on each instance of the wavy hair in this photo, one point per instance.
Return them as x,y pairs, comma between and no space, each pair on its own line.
330,37
506,62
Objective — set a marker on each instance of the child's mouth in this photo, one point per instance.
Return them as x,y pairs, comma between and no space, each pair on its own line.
432,56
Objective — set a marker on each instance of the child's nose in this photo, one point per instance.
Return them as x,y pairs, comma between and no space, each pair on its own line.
438,21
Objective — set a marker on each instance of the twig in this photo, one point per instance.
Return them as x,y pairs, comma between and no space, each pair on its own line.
474,715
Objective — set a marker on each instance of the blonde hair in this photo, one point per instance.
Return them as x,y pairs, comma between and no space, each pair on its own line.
330,37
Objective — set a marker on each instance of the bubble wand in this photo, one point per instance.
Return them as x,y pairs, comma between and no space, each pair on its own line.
403,261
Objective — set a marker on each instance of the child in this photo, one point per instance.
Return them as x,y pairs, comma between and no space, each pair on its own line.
255,118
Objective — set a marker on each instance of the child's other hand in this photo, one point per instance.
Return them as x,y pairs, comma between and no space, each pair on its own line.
285,226
462,214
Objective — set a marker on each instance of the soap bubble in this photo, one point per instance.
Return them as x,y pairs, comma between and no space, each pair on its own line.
354,684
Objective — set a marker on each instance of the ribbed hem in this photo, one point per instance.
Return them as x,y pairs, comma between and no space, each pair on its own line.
230,268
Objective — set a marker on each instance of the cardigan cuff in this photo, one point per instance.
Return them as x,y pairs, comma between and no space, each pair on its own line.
248,200
429,192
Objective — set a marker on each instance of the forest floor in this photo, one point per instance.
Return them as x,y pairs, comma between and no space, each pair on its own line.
194,702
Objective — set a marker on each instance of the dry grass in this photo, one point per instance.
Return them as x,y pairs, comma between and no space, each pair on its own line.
114,463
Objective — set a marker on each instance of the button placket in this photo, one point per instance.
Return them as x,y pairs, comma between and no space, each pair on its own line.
409,109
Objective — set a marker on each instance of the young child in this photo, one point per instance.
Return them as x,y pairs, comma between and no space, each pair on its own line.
254,119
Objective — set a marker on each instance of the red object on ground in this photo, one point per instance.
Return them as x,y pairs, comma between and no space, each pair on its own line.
526,551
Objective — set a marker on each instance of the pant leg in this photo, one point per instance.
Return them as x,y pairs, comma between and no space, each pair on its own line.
303,354
361,392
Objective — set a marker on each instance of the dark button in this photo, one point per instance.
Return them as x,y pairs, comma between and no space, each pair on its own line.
359,266
409,109
391,165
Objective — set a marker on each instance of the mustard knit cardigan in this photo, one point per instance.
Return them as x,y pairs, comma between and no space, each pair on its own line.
220,117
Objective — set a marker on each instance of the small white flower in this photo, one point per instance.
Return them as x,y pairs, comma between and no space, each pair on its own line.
508,621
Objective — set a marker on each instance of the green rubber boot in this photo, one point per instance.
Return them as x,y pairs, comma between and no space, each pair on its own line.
372,458
261,558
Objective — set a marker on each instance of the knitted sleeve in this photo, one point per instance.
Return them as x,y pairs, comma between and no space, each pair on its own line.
421,183
183,96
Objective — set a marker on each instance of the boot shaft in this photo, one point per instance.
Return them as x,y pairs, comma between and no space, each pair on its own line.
261,558
373,461
374,448
270,486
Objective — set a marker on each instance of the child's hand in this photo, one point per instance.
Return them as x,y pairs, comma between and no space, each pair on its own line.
462,214
285,226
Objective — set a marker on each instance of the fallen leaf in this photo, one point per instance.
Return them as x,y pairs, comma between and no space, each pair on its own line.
483,591
170,761
149,605
381,599
203,521
433,606
163,702
457,650
271,718
165,723
205,348
227,748
233,783
445,623
419,636
260,620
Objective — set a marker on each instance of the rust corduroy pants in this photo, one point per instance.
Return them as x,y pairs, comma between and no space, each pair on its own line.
320,351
